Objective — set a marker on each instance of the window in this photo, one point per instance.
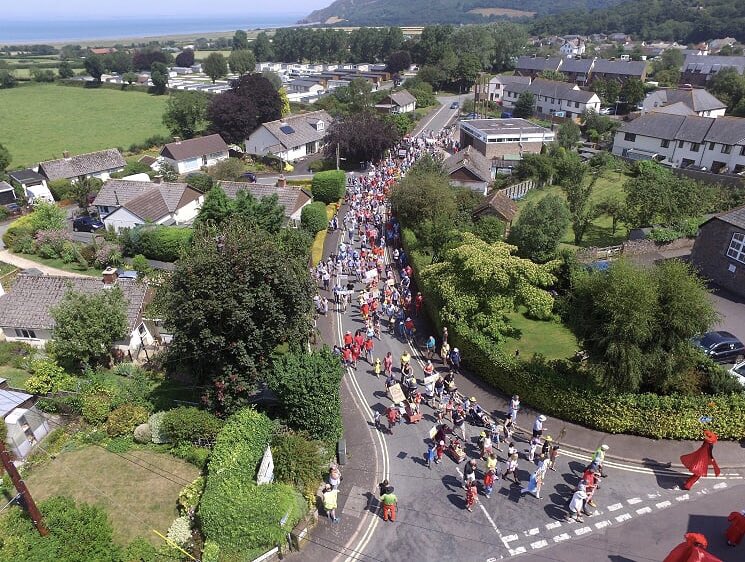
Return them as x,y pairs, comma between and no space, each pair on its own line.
680,144
726,149
576,104
695,146
742,151
631,137
26,334
736,249
712,145
539,109
665,143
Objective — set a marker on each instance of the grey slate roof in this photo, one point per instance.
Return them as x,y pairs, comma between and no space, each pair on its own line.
163,199
28,304
5,186
304,127
307,82
697,99
580,66
655,125
472,160
712,64
620,67
290,198
538,63
194,148
26,176
115,193
727,130
677,108
505,79
723,130
735,217
553,89
82,164
693,129
402,98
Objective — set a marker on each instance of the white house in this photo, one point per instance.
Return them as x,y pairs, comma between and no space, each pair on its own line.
699,101
127,204
291,138
573,47
33,184
292,199
25,310
494,89
716,144
99,165
397,102
504,139
305,86
553,98
190,155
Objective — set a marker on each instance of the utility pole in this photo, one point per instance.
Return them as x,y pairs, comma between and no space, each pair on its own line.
20,486
337,156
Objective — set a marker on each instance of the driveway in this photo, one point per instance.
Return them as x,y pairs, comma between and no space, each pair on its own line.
731,310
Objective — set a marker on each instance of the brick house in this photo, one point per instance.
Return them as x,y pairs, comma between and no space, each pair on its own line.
719,250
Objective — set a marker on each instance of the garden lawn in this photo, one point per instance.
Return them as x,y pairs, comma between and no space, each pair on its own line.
6,268
57,263
550,339
40,121
16,377
138,489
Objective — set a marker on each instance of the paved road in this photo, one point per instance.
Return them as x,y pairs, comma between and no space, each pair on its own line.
443,115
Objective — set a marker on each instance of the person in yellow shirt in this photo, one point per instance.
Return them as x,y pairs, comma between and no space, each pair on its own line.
330,498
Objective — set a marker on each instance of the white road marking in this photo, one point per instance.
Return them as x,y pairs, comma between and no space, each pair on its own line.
643,510
538,544
634,501
561,537
623,517
531,532
682,498
602,524
719,486
582,531
615,507
553,525
662,505
653,496
510,538
518,550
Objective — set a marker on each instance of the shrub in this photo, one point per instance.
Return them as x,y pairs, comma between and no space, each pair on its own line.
162,243
211,552
180,531
313,217
298,460
48,377
198,456
16,354
189,425
189,496
142,434
120,444
230,169
141,265
124,419
241,443
202,182
96,406
19,228
156,428
328,187
61,190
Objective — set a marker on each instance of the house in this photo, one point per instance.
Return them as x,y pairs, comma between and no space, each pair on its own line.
7,194
573,47
619,70
496,204
469,168
698,70
577,71
494,89
98,165
716,45
127,204
26,426
103,50
719,250
716,144
505,139
553,98
190,155
291,199
305,86
619,38
699,101
397,102
33,184
25,311
533,66
290,138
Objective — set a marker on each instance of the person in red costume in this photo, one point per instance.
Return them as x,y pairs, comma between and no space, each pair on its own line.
692,550
736,529
698,461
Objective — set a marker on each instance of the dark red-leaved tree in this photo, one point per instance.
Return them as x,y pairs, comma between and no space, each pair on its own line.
185,58
361,137
251,101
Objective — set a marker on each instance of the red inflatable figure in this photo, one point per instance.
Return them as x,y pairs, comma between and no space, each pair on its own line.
692,550
737,527
698,462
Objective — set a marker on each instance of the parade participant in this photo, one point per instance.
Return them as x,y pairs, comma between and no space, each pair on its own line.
510,467
577,505
491,461
389,500
388,364
392,415
599,456
334,476
736,530
348,338
514,407
445,353
534,443
428,368
546,448
459,421
430,345
488,482
538,426
536,481
553,455
431,455
378,367
405,358
692,550
471,495
698,461
330,496
455,359
469,473
439,451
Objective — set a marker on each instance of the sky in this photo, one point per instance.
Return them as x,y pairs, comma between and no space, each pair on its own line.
101,9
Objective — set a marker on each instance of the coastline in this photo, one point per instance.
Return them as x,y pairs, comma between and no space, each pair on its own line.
181,37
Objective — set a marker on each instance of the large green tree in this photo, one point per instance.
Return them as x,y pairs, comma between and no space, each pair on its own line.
5,158
215,66
525,105
159,76
241,61
240,40
86,327
569,135
234,298
94,66
262,47
186,113
265,213
577,183
728,86
539,228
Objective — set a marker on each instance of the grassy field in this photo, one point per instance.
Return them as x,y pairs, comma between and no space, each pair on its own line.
59,264
16,377
41,121
138,489
551,339
599,233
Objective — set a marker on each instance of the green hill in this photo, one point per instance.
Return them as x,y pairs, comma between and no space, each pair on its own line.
423,12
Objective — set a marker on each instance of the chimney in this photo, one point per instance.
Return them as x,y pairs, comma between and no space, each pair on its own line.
176,139
109,277
158,179
65,154
281,181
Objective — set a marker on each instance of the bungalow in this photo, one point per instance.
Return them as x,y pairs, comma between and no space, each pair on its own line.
190,155
291,199
494,89
25,425
33,184
554,98
719,250
128,204
469,168
291,138
7,194
98,165
699,101
305,86
25,311
397,102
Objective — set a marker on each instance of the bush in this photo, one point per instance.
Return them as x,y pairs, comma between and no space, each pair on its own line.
150,142
198,456
298,461
142,434
180,531
16,354
124,419
141,265
211,552
61,190
19,228
47,376
162,243
230,169
96,406
241,443
189,425
313,217
156,428
328,187
202,182
190,495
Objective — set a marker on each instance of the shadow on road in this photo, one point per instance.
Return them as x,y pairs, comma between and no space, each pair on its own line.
666,481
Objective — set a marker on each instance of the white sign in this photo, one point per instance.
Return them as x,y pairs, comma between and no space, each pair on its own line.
266,470
371,275
431,379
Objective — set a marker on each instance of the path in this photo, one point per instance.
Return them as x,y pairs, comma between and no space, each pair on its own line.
23,263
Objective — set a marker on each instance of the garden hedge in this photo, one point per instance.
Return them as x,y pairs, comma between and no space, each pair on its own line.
329,186
241,443
188,425
313,217
162,243
553,388
22,226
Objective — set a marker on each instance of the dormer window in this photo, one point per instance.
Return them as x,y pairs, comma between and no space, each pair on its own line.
319,126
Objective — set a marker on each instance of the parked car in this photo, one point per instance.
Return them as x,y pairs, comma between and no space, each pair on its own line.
454,105
721,346
738,371
606,111
86,224
250,177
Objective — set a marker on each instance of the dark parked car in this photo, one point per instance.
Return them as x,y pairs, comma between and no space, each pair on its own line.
250,177
86,224
454,105
722,347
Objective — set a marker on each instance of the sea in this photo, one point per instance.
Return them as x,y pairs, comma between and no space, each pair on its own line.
16,32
